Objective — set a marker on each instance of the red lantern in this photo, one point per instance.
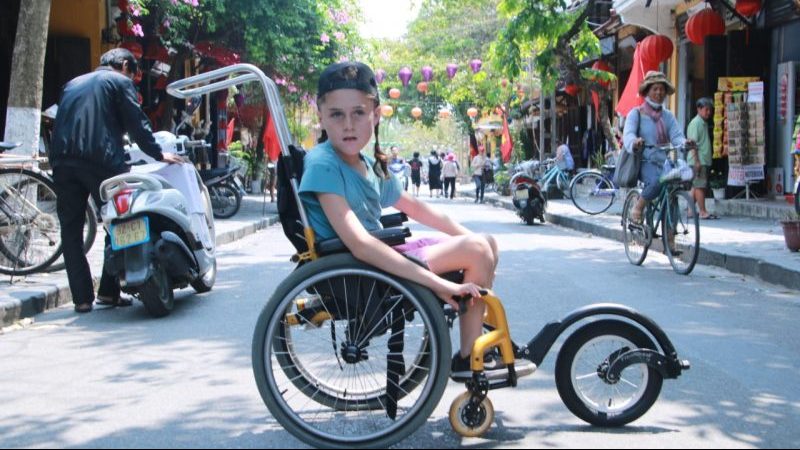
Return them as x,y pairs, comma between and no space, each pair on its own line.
705,23
422,87
572,89
656,49
748,8
394,93
602,65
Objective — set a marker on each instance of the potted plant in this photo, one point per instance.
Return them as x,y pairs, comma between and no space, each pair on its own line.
791,230
247,157
716,181
501,181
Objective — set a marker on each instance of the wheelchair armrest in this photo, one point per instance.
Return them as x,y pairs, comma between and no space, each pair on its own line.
393,220
390,236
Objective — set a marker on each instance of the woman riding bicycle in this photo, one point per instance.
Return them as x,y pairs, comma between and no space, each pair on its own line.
647,128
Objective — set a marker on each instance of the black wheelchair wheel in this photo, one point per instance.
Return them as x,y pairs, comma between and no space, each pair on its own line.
325,350
580,381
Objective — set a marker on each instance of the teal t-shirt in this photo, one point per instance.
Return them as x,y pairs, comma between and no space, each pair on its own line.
325,172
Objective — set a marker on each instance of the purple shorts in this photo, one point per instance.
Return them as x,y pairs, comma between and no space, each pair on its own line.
418,248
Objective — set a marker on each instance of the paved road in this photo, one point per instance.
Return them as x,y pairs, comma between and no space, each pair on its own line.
117,378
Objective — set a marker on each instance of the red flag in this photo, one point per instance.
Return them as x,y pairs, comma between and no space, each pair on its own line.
473,143
229,132
272,147
596,101
508,144
630,96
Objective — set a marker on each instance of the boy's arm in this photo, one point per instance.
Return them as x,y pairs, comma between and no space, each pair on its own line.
372,251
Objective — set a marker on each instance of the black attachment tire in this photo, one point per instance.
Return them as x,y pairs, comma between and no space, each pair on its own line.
580,380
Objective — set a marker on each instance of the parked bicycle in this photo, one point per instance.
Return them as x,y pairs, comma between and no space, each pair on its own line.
30,233
555,175
673,213
593,191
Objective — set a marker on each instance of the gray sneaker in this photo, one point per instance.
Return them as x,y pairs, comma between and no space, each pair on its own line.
493,368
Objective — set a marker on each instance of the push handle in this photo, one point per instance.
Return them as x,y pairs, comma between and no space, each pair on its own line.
223,78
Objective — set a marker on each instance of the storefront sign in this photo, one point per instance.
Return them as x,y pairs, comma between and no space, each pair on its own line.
783,96
741,175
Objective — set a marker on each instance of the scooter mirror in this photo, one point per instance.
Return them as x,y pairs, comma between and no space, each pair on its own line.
192,104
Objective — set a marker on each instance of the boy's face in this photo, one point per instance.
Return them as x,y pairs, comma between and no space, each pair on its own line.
349,117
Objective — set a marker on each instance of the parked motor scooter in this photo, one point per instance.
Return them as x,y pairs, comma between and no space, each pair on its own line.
526,195
160,220
224,185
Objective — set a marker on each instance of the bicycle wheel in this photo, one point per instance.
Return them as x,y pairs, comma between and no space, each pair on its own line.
30,233
592,193
226,200
329,342
563,185
635,235
580,374
89,234
683,222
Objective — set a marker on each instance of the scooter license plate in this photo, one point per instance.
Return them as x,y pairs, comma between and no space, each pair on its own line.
130,234
521,194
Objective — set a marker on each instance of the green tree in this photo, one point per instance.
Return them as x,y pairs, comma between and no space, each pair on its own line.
446,31
291,40
556,34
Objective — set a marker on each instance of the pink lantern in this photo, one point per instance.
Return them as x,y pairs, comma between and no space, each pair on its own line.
380,74
416,112
452,68
394,93
427,73
472,112
405,75
422,87
475,64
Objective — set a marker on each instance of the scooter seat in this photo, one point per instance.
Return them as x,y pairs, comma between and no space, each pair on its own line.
8,145
207,174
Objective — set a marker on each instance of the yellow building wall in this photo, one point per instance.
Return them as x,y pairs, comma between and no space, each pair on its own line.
80,18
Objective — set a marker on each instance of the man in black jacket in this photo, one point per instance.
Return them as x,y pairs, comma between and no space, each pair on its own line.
94,112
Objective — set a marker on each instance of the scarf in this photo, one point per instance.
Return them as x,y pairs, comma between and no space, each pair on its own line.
655,111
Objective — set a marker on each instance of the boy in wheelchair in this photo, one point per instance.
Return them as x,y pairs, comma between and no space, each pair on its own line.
343,192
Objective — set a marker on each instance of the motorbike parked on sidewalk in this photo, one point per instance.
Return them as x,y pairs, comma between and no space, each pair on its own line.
160,220
526,195
224,184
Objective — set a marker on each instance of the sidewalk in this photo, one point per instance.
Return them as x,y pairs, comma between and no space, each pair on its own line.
25,297
745,245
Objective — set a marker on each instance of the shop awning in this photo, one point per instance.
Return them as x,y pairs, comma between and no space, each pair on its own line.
654,15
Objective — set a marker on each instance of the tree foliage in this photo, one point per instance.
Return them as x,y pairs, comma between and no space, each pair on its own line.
557,36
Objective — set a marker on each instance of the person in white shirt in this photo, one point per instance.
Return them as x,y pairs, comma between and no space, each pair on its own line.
478,162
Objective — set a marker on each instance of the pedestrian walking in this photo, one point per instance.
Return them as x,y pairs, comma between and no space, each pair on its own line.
435,174
478,164
449,173
95,111
416,173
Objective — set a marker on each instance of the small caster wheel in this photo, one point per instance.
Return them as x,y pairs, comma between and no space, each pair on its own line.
469,418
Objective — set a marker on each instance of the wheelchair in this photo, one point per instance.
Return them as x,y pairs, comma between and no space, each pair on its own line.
348,356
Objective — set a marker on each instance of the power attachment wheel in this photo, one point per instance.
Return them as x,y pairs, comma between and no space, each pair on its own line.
469,417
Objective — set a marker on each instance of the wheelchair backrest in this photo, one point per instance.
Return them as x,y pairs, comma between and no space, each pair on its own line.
288,209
